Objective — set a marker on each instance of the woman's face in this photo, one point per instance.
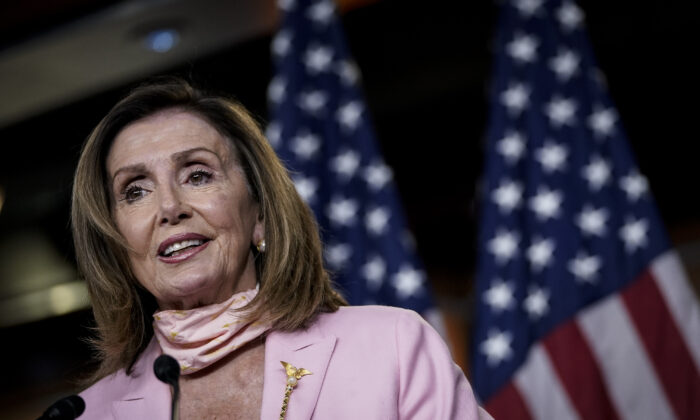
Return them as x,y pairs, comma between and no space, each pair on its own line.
183,206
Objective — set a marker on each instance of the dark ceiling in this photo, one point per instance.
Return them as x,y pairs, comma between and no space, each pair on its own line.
426,71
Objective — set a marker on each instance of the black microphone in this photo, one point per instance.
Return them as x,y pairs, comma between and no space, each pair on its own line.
167,370
67,408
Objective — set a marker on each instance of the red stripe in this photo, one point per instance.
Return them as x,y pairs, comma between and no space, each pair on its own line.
508,404
578,372
664,345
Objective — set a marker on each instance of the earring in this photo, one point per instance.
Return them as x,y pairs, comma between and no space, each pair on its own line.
261,246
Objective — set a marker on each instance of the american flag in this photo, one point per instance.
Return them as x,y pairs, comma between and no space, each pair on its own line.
583,310
320,127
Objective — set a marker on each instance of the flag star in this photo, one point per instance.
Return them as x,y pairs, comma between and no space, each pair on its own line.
528,8
337,255
522,48
516,98
536,303
306,187
407,282
276,90
602,121
561,111
321,12
286,5
345,164
342,211
504,246
540,253
597,172
635,185
512,147
546,203
552,156
274,134
377,220
570,16
312,101
634,234
585,267
349,74
349,114
592,221
377,175
305,145
497,347
508,195
499,296
374,271
565,64
282,43
318,59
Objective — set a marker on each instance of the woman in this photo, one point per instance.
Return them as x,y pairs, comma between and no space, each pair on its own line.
194,243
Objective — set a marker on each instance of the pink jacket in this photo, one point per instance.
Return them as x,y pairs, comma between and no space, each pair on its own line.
368,362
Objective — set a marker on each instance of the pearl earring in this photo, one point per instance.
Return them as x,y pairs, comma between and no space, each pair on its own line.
261,246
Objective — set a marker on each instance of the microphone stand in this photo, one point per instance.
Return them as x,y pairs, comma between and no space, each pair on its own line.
167,370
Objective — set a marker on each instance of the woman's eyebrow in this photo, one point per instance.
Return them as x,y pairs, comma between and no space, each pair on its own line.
185,154
137,167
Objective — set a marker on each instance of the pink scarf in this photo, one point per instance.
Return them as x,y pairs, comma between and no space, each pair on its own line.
198,337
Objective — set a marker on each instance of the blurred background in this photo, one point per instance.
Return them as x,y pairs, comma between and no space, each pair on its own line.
426,72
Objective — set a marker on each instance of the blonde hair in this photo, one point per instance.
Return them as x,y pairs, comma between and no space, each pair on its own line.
294,285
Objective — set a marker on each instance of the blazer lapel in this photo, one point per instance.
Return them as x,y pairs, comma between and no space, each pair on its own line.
308,349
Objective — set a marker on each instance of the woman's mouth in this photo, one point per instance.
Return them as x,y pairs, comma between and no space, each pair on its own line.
177,249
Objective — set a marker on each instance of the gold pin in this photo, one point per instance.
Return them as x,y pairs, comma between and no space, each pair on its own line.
293,376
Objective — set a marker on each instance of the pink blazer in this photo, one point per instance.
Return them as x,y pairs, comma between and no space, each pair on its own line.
368,362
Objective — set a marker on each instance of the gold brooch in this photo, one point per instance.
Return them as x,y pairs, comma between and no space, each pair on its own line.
293,376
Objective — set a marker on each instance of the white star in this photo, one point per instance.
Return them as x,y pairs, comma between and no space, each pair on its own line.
321,12
508,195
377,175
602,121
408,282
337,255
597,173
499,296
312,101
305,145
570,16
522,48
546,203
374,271
318,59
565,64
342,211
635,185
345,164
516,98
348,71
512,146
504,246
634,234
276,90
552,157
497,347
540,253
592,221
528,8
537,302
376,220
282,43
286,5
306,187
274,134
561,111
349,115
585,267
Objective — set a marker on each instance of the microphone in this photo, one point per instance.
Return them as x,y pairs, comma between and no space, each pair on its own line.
167,370
67,408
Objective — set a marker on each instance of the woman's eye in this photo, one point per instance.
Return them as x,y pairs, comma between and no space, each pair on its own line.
133,193
199,177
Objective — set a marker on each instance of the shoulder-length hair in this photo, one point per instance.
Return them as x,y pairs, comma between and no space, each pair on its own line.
293,283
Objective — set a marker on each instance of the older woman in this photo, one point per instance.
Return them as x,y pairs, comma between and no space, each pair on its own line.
195,243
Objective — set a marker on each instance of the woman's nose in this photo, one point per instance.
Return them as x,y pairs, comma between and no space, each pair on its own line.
173,208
